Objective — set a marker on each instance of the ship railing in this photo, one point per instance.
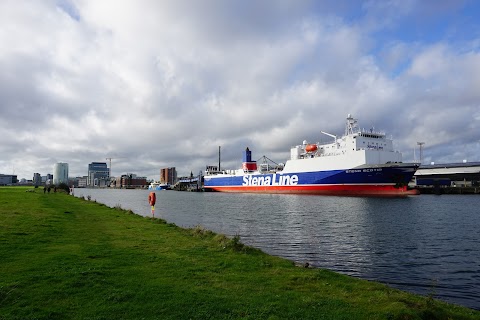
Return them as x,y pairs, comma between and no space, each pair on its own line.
210,173
372,132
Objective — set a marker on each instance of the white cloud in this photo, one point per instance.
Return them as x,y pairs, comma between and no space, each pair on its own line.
153,84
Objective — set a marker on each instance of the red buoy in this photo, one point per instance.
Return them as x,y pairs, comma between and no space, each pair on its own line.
152,198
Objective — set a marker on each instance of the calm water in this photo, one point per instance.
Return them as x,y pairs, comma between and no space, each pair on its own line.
424,244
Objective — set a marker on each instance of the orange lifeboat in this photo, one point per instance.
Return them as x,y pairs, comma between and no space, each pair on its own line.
311,148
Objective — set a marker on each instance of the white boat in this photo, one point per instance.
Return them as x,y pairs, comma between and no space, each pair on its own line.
156,185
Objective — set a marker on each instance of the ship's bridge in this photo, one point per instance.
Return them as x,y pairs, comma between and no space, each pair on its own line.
368,140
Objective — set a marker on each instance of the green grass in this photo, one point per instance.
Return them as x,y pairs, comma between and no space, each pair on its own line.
66,258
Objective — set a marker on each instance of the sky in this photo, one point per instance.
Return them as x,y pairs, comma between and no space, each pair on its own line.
155,84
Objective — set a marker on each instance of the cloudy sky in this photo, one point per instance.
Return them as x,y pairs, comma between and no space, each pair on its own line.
155,84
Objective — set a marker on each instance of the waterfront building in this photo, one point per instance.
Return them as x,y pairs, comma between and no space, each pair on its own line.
8,179
465,174
98,174
131,180
168,176
82,182
60,173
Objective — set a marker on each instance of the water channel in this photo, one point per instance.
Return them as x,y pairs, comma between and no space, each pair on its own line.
424,244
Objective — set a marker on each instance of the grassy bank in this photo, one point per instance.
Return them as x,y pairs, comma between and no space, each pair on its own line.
64,257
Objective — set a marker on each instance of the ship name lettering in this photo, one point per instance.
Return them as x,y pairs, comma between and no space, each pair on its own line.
364,170
274,180
372,170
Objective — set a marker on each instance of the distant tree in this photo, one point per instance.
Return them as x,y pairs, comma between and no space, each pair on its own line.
63,186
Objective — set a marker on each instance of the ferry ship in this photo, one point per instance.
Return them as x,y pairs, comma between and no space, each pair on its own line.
360,163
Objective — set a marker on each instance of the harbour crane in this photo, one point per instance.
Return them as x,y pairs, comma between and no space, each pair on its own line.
110,164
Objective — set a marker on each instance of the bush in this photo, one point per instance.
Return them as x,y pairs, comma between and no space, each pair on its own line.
63,186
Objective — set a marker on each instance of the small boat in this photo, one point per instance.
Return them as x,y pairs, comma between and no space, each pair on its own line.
156,185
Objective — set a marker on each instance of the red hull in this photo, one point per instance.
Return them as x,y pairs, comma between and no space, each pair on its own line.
334,190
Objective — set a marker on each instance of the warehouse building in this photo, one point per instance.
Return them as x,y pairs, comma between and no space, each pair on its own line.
465,174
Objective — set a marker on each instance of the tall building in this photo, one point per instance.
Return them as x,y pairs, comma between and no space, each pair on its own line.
37,179
60,173
168,176
98,174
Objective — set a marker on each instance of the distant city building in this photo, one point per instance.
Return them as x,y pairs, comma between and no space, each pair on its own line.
168,176
73,182
47,179
37,179
8,179
60,173
82,182
130,180
98,174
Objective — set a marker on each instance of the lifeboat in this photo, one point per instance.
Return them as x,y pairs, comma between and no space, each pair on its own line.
311,148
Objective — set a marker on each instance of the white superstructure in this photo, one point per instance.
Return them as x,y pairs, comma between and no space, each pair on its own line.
356,148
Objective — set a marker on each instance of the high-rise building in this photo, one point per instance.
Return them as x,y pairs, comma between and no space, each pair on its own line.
168,176
37,179
98,174
60,173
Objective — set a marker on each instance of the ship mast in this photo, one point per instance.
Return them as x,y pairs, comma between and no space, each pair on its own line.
351,125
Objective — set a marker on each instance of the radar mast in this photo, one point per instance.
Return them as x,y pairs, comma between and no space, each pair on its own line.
351,125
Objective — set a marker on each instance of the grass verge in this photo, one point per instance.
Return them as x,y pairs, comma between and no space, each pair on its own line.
64,257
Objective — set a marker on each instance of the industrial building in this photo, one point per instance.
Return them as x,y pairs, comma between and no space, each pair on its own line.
465,174
130,180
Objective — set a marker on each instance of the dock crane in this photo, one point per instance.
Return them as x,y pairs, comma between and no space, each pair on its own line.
110,162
